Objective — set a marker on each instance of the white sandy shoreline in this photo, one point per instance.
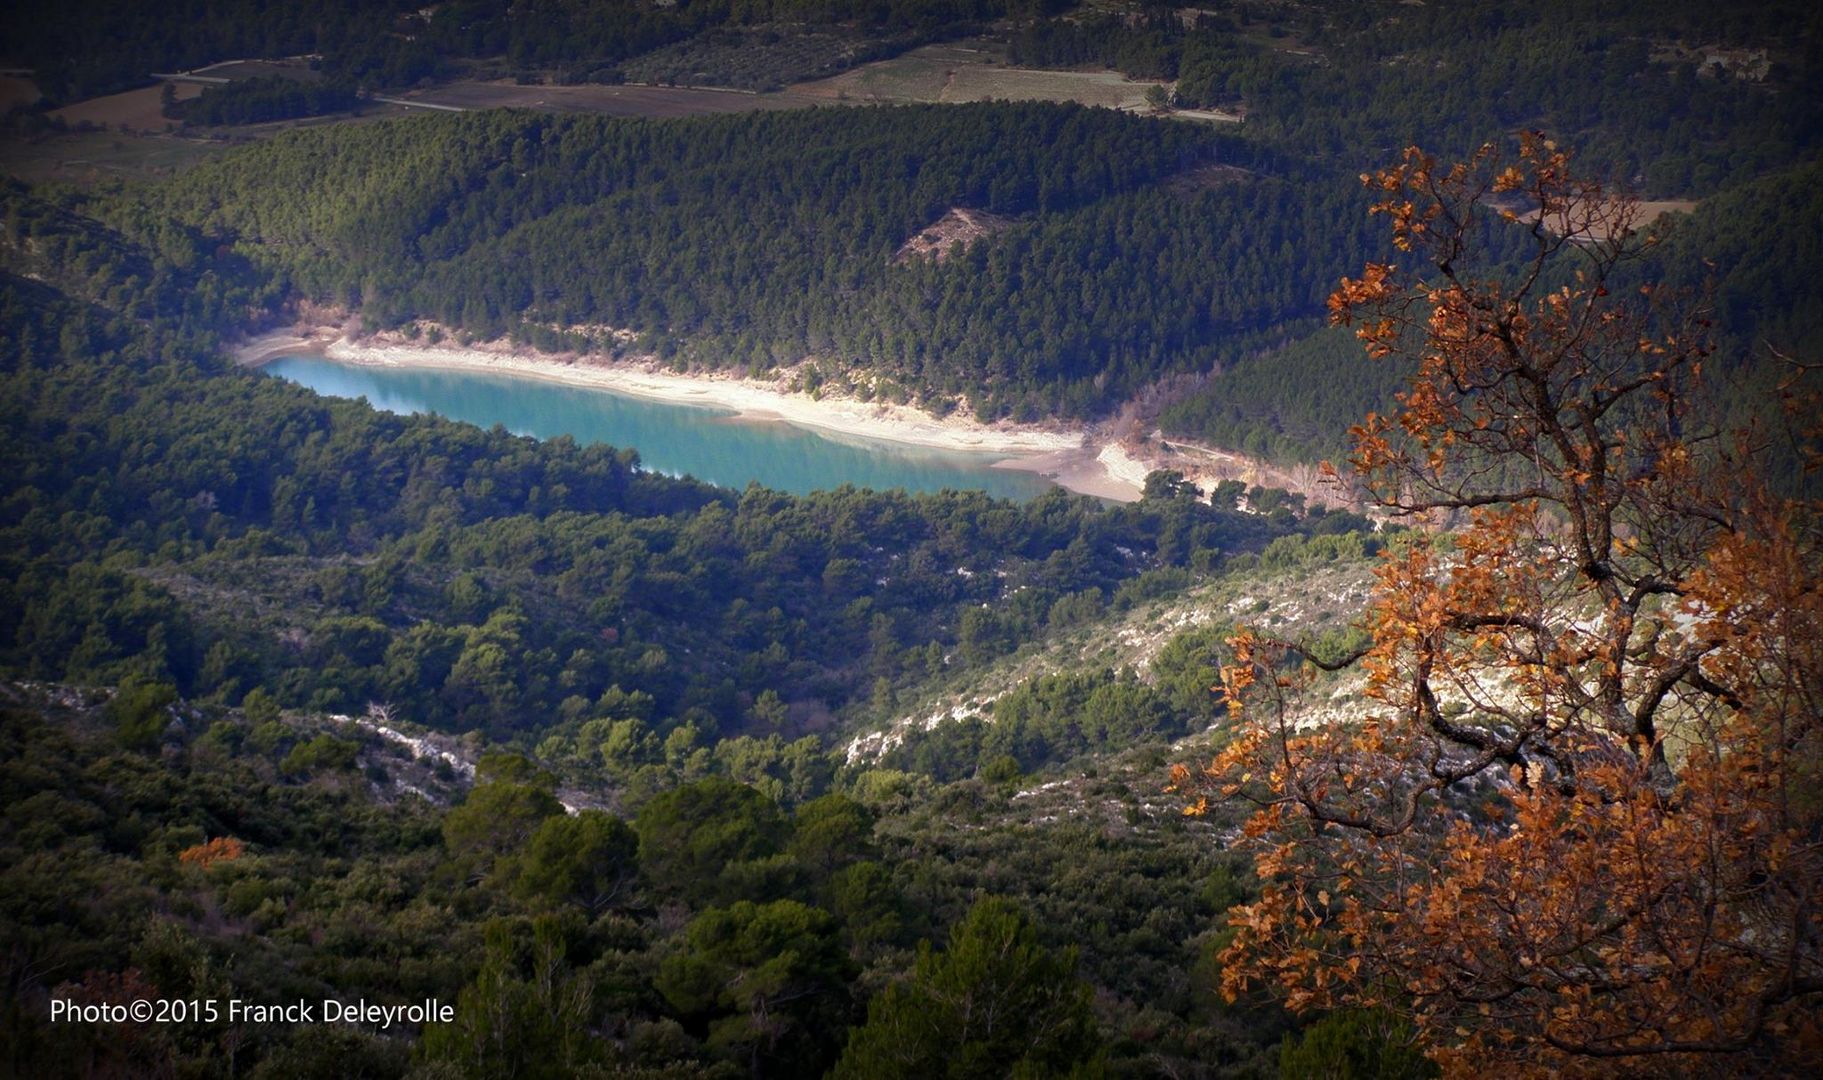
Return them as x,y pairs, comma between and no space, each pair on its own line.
1073,459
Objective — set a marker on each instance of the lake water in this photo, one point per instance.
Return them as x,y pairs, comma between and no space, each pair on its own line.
676,439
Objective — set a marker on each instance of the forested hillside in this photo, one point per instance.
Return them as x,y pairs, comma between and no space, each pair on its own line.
712,934
763,240
239,558
487,580
1138,250
1354,82
641,777
1746,255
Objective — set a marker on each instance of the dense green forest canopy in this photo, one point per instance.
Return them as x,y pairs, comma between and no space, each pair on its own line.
263,99
759,240
244,854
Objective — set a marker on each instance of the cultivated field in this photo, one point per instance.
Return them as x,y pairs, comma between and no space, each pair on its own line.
139,110
257,69
137,143
87,157
645,101
15,90
961,72
950,73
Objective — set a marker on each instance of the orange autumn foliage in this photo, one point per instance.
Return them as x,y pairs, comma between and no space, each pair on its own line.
1579,831
205,855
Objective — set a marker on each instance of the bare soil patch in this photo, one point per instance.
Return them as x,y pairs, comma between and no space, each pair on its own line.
1214,116
1650,210
959,225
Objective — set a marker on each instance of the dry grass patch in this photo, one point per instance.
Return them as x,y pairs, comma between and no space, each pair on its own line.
1206,178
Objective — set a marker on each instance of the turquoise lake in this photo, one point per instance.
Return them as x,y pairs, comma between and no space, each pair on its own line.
675,439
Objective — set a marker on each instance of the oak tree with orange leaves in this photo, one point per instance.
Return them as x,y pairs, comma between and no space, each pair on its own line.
219,850
1578,829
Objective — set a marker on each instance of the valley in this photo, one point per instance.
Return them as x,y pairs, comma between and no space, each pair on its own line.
711,540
